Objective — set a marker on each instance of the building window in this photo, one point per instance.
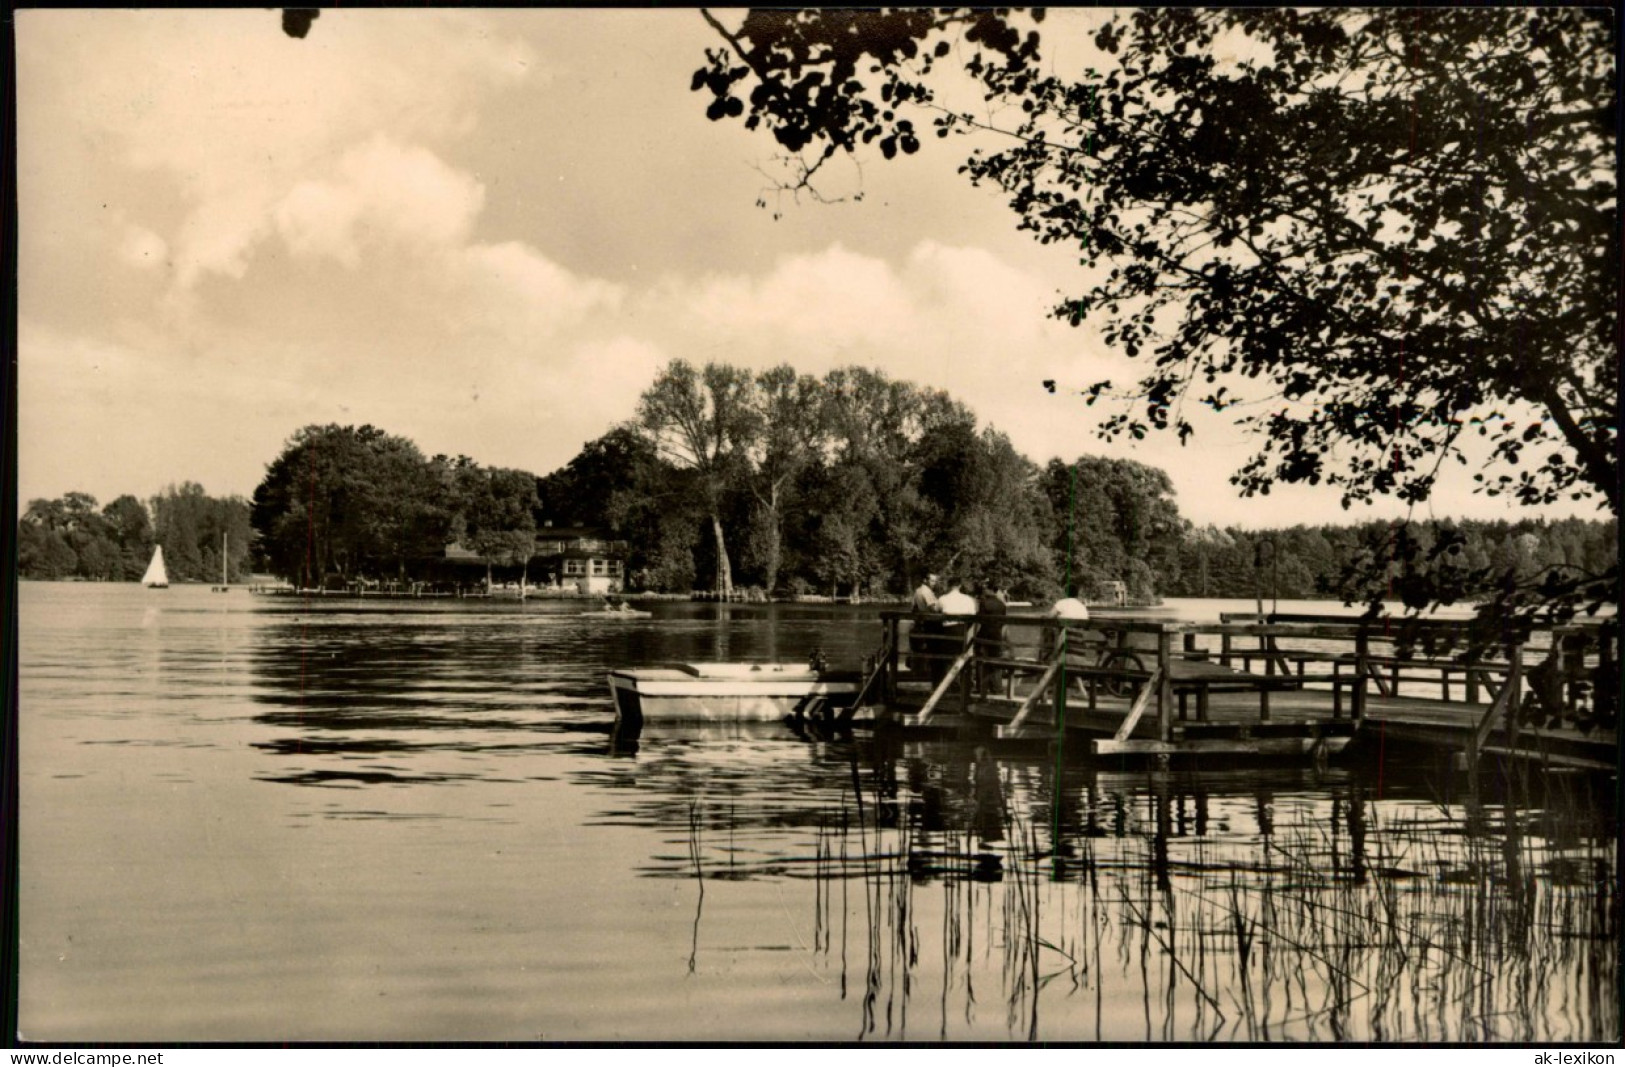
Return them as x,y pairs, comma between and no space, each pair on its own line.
599,567
575,567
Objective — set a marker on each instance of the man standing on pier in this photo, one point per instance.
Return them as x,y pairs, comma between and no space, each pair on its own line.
990,642
925,597
955,602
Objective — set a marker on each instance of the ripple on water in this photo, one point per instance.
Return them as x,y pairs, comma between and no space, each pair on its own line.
263,824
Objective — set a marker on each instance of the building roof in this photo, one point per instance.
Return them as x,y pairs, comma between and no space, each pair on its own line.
550,532
546,539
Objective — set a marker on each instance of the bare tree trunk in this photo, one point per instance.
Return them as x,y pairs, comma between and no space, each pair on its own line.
725,578
774,545
771,577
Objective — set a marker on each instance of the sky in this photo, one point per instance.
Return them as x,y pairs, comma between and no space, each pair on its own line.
487,231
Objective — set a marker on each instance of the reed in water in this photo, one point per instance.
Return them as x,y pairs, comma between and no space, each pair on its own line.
1004,901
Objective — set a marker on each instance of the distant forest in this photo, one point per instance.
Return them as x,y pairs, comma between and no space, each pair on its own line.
72,537
776,482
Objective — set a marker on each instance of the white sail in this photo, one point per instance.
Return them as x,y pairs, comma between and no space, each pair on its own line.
156,577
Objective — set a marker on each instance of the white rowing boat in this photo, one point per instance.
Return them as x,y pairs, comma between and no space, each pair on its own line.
728,692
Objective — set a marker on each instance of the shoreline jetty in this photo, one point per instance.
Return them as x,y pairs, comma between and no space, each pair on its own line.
1251,685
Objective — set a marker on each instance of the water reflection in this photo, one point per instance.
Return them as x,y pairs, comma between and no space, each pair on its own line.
1035,896
369,823
1281,905
1083,901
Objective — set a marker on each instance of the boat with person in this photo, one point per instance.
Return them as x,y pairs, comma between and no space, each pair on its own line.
157,577
729,692
610,610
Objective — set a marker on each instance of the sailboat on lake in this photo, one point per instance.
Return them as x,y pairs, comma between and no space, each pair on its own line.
156,577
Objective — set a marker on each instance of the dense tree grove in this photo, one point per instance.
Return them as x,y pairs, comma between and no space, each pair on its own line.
195,528
851,484
345,502
70,538
1121,523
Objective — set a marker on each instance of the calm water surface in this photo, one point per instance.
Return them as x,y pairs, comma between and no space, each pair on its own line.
246,819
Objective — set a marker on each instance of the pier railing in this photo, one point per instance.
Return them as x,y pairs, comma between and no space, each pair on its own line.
1025,664
1121,671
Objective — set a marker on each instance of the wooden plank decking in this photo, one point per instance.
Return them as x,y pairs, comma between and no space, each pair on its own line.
1299,718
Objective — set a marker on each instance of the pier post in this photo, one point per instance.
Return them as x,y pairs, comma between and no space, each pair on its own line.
1362,671
1269,672
1061,644
1062,647
1515,692
888,680
1224,648
1165,685
968,675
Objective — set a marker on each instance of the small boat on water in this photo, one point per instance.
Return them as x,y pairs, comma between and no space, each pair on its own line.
157,577
612,610
728,692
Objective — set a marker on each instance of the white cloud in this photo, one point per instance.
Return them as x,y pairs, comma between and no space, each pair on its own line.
833,299
512,290
1000,299
381,192
318,219
593,386
956,318
234,115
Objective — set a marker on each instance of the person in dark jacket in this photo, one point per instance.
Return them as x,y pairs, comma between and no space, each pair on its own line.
990,639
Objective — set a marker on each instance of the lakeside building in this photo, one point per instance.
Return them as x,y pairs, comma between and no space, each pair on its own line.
582,556
579,558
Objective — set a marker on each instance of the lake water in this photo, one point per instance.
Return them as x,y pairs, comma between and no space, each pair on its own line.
257,819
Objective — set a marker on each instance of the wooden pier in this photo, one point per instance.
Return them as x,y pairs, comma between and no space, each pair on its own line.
1251,686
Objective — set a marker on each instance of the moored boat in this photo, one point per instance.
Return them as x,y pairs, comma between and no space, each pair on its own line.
728,692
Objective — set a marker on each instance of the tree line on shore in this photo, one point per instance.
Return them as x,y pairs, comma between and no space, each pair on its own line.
850,484
72,537
349,502
1378,559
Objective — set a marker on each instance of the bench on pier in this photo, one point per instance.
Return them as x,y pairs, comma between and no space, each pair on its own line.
1203,678
1385,673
